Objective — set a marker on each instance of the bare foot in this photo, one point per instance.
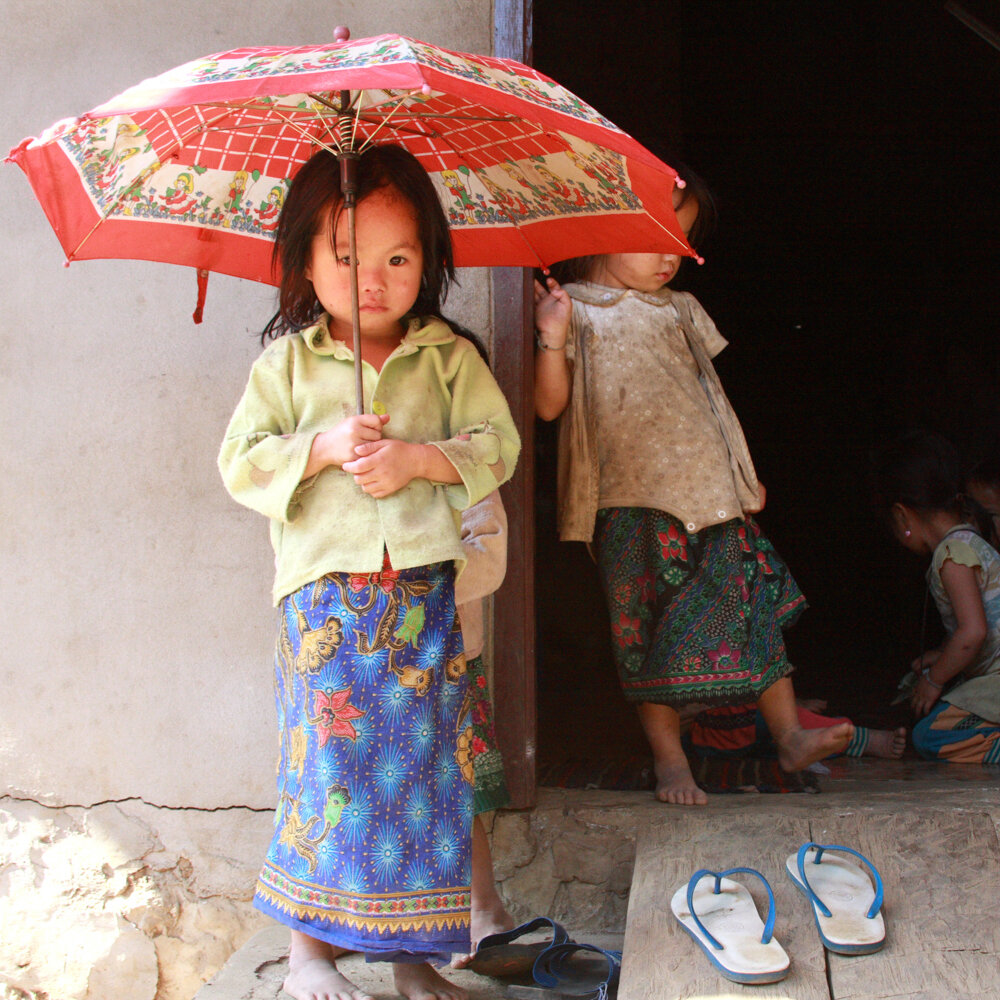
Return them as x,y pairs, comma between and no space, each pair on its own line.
318,979
421,982
888,743
798,748
675,784
313,974
493,919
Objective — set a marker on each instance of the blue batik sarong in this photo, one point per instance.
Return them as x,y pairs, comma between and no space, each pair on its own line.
371,849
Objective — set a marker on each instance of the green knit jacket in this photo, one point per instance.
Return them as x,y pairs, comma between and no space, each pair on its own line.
435,388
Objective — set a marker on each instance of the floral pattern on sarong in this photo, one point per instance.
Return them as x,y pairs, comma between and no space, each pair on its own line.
371,849
695,617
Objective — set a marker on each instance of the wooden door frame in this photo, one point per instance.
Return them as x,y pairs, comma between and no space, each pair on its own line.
513,365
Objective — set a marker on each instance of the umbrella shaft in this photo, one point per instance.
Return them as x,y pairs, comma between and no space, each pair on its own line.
349,189
359,387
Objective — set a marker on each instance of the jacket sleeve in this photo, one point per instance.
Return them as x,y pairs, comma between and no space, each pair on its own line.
484,540
263,457
484,442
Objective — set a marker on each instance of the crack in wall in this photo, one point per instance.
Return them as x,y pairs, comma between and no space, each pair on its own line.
156,895
29,800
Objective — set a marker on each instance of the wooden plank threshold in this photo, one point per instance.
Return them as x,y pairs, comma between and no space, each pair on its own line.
941,870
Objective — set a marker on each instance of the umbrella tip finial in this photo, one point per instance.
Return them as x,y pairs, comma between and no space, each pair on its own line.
341,33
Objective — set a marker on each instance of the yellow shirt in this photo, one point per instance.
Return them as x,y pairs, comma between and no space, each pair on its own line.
436,390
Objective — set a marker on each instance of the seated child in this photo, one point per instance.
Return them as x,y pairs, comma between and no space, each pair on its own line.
956,689
982,484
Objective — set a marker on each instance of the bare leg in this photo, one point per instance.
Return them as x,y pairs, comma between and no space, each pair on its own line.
312,972
674,781
887,743
798,747
421,982
489,915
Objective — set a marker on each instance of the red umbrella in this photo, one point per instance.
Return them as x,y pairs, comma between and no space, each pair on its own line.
191,167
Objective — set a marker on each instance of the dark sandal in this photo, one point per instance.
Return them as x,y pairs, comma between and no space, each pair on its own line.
499,955
572,971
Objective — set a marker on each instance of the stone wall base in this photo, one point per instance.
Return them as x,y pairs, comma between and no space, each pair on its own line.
128,901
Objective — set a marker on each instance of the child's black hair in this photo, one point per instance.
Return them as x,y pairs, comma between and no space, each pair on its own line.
470,336
986,472
580,268
315,191
708,214
919,469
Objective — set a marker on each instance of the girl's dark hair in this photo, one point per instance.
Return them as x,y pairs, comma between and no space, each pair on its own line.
470,336
708,214
580,268
919,469
986,472
316,188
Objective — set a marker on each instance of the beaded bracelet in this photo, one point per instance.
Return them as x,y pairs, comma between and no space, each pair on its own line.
926,674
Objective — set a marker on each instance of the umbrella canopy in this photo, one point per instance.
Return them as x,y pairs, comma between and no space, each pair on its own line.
192,167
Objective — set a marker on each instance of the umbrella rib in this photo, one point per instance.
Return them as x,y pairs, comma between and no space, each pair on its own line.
383,124
417,115
357,118
295,121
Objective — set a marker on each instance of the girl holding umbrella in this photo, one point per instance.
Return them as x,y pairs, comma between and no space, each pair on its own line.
371,844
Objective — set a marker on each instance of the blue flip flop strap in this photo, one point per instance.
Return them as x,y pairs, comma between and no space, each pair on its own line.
549,967
719,876
559,935
820,848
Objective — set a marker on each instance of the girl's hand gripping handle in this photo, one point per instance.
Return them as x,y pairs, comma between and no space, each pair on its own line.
339,444
381,468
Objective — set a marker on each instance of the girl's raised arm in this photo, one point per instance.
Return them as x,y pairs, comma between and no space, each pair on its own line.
553,379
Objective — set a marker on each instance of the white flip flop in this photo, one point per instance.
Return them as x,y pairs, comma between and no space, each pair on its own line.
846,903
722,917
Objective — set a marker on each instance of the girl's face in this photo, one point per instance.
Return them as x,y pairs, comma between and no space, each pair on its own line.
988,497
646,272
390,266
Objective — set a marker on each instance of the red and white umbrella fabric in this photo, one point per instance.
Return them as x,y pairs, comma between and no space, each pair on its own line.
192,167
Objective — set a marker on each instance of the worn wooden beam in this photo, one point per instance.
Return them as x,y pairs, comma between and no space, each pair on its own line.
514,605
513,364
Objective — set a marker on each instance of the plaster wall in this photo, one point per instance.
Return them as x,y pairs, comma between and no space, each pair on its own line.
137,729
136,618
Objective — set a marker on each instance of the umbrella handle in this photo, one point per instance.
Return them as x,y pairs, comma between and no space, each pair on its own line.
349,189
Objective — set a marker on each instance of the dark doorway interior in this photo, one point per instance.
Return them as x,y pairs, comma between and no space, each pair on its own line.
853,150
